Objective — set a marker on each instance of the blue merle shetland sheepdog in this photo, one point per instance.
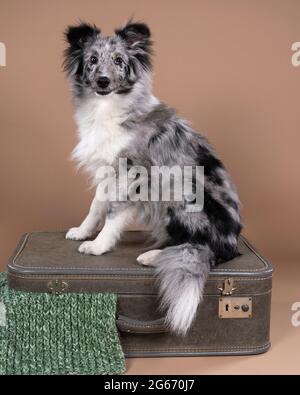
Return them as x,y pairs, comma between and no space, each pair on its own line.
119,117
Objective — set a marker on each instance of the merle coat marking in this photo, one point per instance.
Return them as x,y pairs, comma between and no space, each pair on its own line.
118,117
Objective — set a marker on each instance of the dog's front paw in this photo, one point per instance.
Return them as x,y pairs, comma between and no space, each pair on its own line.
77,234
90,248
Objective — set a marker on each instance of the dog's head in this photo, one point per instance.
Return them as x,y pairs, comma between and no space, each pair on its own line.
102,65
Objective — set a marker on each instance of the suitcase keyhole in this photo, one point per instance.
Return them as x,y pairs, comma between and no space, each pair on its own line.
227,307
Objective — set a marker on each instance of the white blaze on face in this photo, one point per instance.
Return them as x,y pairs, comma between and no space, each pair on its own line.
2,55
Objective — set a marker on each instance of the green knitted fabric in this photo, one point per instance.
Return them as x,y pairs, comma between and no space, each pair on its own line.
58,334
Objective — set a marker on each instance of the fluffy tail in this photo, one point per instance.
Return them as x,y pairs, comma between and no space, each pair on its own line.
181,273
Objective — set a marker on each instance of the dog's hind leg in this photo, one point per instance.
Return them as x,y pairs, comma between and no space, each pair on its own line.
148,258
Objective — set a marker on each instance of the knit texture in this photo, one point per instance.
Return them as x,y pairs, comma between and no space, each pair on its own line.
58,334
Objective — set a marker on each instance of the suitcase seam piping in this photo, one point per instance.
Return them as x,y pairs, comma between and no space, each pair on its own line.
225,348
117,276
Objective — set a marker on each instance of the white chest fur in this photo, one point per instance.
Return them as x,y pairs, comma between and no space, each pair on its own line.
100,133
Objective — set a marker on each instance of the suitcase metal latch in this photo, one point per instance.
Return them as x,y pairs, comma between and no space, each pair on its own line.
233,307
228,287
57,287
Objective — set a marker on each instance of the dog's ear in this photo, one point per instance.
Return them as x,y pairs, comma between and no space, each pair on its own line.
138,41
77,37
135,34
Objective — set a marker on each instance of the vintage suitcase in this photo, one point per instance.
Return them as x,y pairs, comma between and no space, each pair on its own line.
233,319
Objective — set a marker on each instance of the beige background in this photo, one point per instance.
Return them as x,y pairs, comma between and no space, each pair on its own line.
225,65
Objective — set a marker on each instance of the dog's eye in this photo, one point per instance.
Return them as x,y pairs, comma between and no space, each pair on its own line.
93,60
118,61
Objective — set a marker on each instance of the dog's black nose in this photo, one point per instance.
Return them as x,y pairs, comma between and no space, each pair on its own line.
103,82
